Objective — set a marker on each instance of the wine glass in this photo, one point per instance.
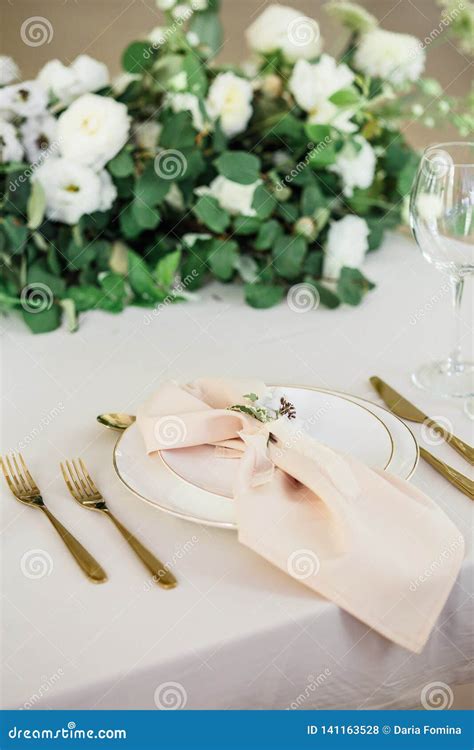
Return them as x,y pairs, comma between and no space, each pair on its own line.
442,222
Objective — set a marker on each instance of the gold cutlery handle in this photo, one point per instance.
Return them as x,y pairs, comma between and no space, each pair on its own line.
160,573
84,559
465,450
460,481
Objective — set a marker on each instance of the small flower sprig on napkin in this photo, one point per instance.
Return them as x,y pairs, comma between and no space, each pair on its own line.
262,409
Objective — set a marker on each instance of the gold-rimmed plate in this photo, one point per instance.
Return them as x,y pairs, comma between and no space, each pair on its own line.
195,484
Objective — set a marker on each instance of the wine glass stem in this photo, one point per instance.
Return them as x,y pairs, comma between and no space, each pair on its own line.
457,285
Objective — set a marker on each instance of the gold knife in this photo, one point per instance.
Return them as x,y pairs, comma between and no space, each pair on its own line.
462,483
405,410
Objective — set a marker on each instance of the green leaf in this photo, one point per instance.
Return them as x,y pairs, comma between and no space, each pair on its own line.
178,132
207,26
262,296
137,57
238,166
196,74
166,269
267,235
150,188
85,297
352,286
263,202
327,297
141,280
146,216
43,322
222,259
245,225
37,274
312,198
16,233
211,214
122,165
345,97
36,205
288,256
129,225
113,292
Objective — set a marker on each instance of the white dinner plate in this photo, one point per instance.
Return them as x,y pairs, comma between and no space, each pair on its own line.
169,479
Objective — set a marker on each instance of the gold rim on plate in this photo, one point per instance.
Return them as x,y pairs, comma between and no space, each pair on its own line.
230,525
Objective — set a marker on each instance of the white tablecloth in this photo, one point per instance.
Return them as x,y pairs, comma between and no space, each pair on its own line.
236,632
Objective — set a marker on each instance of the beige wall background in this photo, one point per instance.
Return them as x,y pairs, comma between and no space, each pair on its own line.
102,28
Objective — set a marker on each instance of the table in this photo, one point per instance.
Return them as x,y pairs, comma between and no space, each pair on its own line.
236,633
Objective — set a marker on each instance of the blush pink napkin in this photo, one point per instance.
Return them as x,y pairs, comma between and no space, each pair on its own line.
368,541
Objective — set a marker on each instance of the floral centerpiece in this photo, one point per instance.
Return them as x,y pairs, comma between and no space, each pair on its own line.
282,173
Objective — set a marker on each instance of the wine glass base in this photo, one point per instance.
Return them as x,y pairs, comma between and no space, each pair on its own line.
446,379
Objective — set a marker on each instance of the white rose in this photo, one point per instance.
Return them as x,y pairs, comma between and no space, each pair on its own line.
187,103
120,82
26,99
356,167
39,136
313,85
231,196
285,29
229,99
346,245
9,70
398,58
93,130
64,83
165,4
181,12
91,75
352,15
10,146
147,134
59,81
157,36
73,190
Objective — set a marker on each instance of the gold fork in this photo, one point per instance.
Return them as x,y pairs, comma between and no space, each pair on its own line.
25,489
81,486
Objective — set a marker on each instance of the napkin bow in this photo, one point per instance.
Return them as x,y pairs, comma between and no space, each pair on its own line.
368,541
